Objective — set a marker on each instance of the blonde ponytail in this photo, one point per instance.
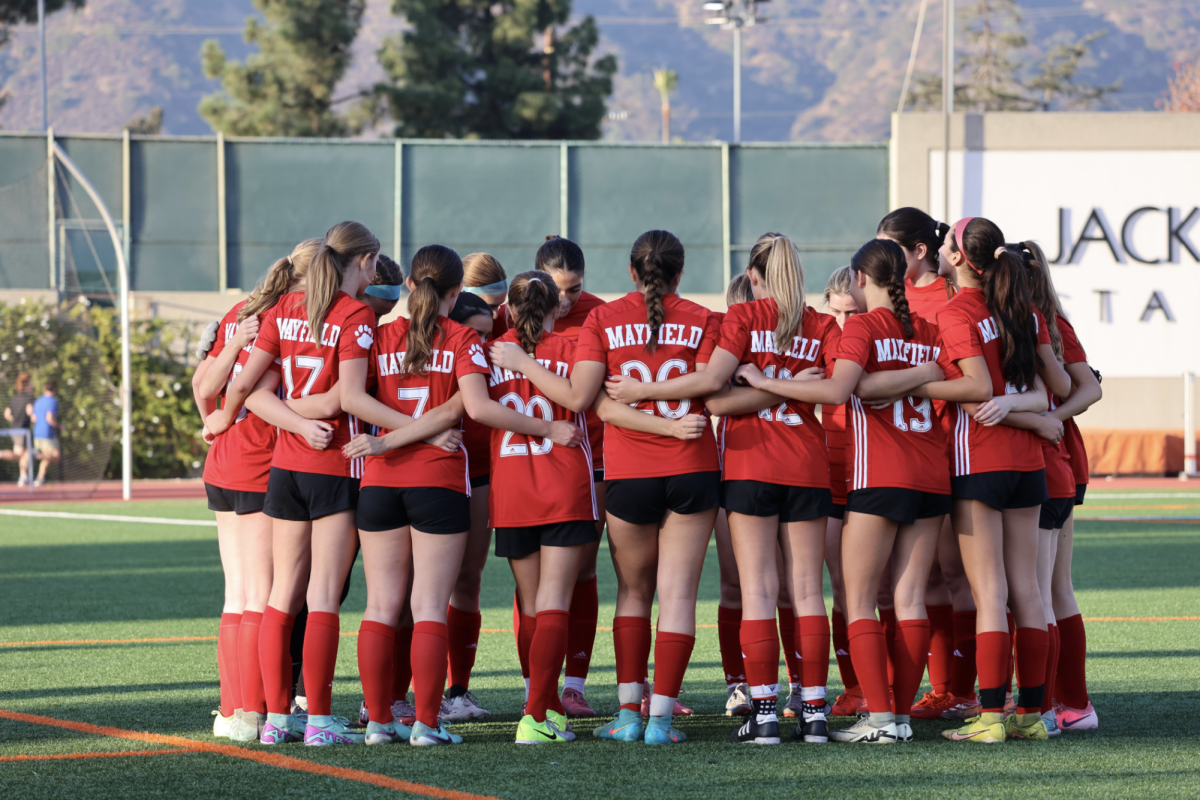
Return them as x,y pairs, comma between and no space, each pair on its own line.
776,258
343,243
279,279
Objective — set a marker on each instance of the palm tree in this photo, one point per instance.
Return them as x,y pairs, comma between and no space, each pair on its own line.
666,81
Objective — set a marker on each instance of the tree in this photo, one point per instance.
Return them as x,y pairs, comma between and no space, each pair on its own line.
1183,90
286,88
472,69
149,125
666,81
1055,79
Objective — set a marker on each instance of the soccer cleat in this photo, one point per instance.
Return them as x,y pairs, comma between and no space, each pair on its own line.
290,732
404,711
337,732
794,705
931,705
987,728
660,731
1051,721
1025,726
576,704
680,709
1074,719
757,730
962,709
530,731
561,723
462,707
424,736
848,705
222,724
300,705
904,732
864,732
626,726
813,727
247,726
738,703
391,733
364,716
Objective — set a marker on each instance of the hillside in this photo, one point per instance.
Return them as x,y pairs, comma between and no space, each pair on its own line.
820,70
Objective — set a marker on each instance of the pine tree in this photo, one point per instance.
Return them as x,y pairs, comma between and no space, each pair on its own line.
1183,91
286,88
474,69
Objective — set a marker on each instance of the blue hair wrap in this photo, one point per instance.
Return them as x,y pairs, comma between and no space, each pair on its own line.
384,292
499,287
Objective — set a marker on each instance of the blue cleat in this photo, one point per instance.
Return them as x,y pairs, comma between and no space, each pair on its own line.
659,731
626,726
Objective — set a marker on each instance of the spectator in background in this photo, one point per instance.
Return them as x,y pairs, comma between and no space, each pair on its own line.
45,430
17,414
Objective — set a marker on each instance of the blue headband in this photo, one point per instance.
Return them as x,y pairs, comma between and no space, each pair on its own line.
384,292
499,287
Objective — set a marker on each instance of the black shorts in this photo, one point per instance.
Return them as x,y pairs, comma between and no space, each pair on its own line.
1080,491
789,503
221,499
838,511
305,496
1003,489
481,480
643,501
521,542
1055,513
429,509
598,475
905,506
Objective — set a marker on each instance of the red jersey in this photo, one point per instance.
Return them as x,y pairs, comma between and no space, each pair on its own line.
968,329
311,368
784,444
477,438
1059,479
1072,438
901,446
833,420
536,481
240,458
926,301
615,334
457,352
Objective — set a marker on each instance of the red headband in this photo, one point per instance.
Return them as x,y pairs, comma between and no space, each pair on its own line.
960,227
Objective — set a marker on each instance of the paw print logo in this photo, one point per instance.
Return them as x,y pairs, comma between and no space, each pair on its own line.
477,358
364,336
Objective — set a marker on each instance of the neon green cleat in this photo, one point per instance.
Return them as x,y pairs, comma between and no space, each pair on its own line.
986,728
562,723
660,731
530,731
1025,726
626,726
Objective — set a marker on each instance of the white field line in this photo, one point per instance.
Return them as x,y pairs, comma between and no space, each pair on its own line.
16,512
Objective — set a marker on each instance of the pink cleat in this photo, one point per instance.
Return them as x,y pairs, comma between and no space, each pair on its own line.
1073,719
575,704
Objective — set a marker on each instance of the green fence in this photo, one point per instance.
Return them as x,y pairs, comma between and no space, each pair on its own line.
206,214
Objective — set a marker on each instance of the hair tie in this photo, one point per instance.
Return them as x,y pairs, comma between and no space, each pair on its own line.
289,260
499,287
999,250
960,228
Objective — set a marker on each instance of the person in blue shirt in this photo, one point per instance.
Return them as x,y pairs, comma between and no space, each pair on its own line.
45,430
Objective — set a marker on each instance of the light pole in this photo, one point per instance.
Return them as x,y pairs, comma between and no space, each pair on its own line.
734,15
41,9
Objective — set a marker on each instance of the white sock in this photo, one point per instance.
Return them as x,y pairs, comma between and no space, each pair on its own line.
527,690
574,683
320,720
793,688
661,706
811,694
629,693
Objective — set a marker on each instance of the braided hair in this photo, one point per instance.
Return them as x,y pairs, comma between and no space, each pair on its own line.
883,261
657,259
532,296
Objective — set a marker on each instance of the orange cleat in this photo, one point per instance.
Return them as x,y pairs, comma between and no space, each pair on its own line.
962,708
849,705
931,705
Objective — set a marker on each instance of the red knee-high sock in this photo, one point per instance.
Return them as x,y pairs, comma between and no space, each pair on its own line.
275,659
546,660
672,651
1012,659
941,646
789,644
962,670
250,675
1033,645
841,650
402,663
581,631
517,619
631,641
814,650
1071,685
228,669
912,653
463,638
429,669
760,649
868,648
729,624
993,649
887,619
1051,667
528,628
320,659
376,649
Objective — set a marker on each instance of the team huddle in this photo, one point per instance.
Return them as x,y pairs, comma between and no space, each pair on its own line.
917,439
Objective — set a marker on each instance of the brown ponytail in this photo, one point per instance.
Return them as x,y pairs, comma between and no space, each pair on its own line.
343,243
532,296
279,279
883,261
657,259
910,227
436,270
1041,291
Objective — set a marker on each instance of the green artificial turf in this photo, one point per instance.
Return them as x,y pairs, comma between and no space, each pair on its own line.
67,580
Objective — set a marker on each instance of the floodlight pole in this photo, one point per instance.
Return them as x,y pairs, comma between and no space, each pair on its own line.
123,289
734,15
737,84
41,11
